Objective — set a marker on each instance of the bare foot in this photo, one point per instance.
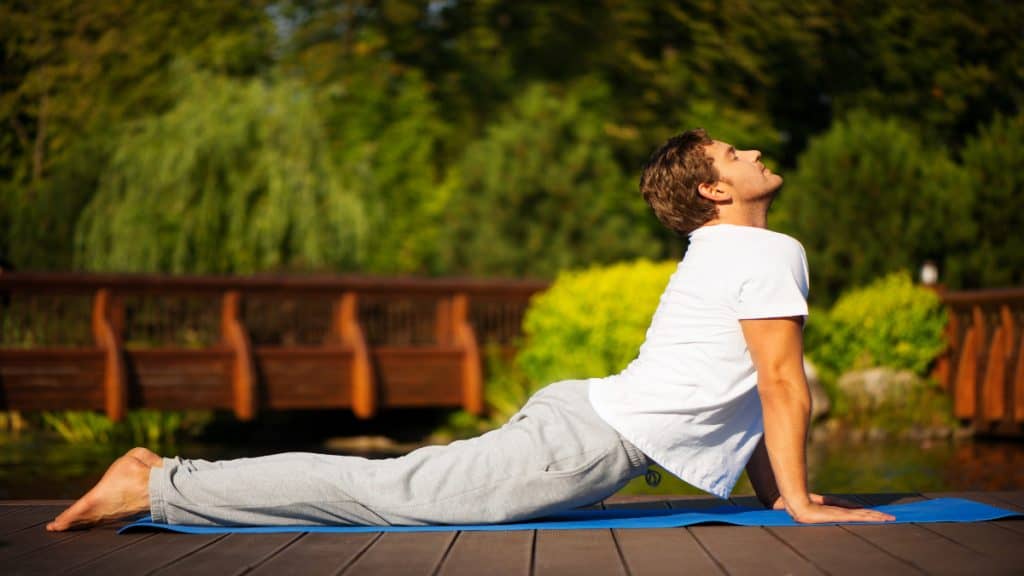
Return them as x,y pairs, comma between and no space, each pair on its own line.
123,491
147,456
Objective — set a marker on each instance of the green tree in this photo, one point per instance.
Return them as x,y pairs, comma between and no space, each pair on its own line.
944,68
993,159
542,191
72,71
869,197
236,178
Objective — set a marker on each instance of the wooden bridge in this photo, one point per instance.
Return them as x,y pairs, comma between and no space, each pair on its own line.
114,342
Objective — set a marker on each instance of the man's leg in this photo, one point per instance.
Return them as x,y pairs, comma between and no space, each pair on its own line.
553,455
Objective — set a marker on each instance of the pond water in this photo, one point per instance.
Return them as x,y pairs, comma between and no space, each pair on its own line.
36,467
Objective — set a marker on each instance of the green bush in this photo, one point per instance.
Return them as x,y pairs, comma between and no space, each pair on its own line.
590,323
993,159
890,322
871,197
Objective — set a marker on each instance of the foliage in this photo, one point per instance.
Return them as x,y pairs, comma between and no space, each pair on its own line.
590,323
235,178
992,159
435,117
869,197
73,72
542,191
145,427
890,322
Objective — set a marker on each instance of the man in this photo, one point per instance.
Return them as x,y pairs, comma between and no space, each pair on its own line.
718,384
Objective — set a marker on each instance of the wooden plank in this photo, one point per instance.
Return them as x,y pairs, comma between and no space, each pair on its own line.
402,553
318,553
695,502
591,552
70,553
52,379
985,538
22,542
27,516
1012,497
928,550
838,552
177,379
660,551
149,554
491,552
416,377
233,554
305,378
751,550
636,503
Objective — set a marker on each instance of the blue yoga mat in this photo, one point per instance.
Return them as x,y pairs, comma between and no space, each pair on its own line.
937,510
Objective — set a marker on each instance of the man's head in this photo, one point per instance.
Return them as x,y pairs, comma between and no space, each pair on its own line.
693,180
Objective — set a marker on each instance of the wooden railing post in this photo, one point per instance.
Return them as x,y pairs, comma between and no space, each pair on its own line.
243,373
472,369
443,323
994,385
364,389
115,390
1018,385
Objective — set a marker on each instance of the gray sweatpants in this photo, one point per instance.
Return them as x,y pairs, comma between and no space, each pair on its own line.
556,453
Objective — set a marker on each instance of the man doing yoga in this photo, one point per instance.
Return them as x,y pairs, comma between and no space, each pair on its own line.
717,385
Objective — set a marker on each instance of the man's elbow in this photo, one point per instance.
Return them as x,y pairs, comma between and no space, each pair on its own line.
781,384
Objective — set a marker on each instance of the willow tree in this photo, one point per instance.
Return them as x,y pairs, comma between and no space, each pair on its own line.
234,178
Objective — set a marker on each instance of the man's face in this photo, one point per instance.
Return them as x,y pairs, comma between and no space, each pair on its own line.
741,172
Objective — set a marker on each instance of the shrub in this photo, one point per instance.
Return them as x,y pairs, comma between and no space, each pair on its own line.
590,323
870,197
890,322
992,159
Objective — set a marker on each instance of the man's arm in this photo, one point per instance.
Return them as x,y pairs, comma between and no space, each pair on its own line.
759,470
776,347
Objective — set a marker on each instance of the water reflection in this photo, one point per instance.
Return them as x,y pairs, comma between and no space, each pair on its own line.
33,468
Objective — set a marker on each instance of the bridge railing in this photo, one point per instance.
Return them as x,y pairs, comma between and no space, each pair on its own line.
114,342
982,368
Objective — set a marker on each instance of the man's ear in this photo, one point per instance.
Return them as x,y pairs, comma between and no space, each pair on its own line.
712,191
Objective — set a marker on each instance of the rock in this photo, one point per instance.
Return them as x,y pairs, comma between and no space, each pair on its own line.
820,404
875,388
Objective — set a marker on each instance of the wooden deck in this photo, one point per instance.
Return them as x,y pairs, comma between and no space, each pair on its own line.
976,548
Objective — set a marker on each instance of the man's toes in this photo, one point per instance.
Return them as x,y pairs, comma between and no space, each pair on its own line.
81,512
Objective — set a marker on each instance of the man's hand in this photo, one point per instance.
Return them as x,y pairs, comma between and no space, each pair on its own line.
833,509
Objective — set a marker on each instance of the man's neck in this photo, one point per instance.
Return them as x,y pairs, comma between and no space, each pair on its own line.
753,215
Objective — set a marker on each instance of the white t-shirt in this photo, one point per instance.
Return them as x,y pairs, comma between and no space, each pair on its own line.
689,400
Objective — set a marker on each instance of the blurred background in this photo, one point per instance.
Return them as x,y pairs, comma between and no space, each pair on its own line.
505,140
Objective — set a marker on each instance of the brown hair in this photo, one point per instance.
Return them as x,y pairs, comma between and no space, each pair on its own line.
670,179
